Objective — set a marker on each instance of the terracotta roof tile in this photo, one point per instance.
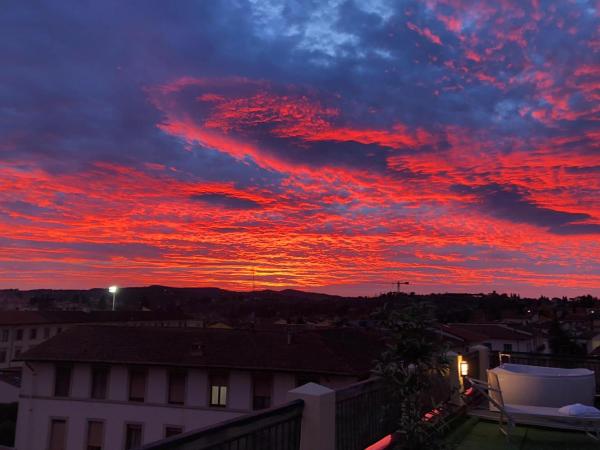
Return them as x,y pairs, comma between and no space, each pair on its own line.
341,351
477,332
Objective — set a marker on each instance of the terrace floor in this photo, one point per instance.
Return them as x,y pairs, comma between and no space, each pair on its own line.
476,434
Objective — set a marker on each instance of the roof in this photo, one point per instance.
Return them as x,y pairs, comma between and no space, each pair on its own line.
477,332
341,351
47,317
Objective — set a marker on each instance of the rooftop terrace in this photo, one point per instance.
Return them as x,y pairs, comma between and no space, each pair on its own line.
477,434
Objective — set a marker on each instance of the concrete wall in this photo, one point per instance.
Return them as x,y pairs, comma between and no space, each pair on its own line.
37,405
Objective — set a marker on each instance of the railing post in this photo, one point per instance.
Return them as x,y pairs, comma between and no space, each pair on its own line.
484,360
318,417
454,378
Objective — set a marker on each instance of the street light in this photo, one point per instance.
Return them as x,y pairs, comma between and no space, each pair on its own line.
113,290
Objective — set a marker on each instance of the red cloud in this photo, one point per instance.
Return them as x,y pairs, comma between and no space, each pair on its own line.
425,32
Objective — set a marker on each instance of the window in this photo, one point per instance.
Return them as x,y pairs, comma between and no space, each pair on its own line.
177,380
5,335
33,333
62,381
58,434
488,345
58,330
137,385
508,347
133,435
19,336
99,382
95,435
17,352
261,390
218,388
46,333
172,431
3,355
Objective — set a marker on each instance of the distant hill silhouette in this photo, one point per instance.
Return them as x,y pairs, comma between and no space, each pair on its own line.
295,305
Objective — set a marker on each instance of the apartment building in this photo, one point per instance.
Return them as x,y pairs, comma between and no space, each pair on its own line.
22,330
496,336
100,387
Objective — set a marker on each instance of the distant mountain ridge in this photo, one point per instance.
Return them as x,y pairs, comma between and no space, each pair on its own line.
153,297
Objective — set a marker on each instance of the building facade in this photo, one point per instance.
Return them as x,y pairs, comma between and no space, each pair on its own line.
139,393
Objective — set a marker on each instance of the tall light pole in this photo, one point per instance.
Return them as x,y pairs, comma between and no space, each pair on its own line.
113,290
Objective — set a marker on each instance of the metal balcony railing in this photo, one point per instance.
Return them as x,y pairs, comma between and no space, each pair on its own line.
360,415
274,429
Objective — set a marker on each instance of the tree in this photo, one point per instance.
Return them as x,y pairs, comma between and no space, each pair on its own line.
413,361
560,342
102,304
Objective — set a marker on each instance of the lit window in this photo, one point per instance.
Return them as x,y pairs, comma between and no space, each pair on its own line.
137,385
99,382
62,381
95,435
133,435
177,380
58,435
218,388
262,385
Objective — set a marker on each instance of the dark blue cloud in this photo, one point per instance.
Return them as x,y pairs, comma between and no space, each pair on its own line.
507,202
226,201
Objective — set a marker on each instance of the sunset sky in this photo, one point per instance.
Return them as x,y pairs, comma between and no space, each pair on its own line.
332,146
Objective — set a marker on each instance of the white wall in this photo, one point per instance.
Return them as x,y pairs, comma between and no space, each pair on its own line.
517,346
8,393
37,404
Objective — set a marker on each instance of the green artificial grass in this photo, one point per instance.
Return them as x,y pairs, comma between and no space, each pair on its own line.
481,435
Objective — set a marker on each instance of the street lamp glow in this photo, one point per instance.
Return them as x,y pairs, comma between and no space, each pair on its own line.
113,290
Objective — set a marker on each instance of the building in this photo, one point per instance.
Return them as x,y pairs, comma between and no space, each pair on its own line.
10,384
22,330
498,337
115,388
